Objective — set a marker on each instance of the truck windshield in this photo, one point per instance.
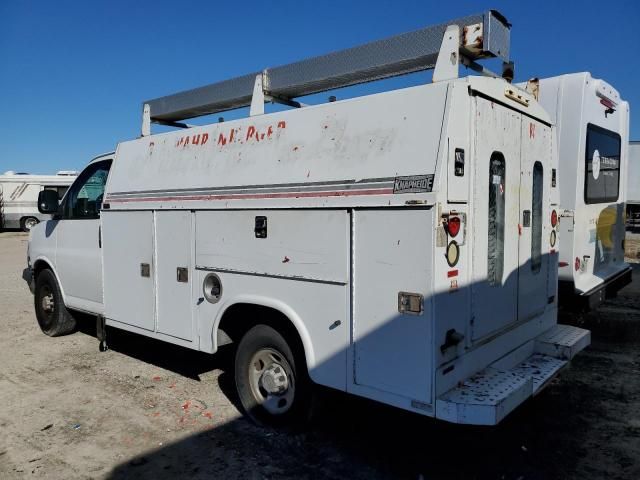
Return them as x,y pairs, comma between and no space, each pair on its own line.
602,165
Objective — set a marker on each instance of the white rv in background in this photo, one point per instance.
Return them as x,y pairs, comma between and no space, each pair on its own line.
593,136
19,196
397,246
633,187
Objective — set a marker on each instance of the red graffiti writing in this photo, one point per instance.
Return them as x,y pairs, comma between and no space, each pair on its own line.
198,139
253,134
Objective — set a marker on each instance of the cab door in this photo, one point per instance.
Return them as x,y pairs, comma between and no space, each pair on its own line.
495,218
78,255
535,221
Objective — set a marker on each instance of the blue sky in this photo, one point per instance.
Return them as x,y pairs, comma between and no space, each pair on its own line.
73,74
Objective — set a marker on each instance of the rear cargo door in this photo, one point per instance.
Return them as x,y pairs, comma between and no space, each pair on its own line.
535,221
495,218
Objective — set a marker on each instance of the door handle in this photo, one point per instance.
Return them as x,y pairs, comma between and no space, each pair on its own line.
526,218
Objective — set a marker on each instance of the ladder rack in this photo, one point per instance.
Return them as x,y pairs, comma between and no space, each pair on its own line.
442,47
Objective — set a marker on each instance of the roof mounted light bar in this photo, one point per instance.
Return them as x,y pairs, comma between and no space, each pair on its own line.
443,47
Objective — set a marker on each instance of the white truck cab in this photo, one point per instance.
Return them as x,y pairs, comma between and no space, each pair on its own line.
593,138
396,246
69,244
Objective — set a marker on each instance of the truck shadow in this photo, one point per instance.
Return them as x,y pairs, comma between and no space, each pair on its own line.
549,436
359,439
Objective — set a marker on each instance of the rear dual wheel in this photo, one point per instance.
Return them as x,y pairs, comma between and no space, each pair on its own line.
271,379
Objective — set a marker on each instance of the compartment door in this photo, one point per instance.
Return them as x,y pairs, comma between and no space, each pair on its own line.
174,252
495,218
392,254
535,197
127,243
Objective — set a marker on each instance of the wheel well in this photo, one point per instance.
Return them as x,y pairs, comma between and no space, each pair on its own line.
241,317
38,267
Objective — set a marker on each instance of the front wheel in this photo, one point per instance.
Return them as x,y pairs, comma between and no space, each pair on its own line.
272,382
52,315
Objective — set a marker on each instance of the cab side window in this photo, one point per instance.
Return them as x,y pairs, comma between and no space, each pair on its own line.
84,199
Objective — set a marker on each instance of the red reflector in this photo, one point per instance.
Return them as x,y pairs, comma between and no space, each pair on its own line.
452,273
577,264
453,226
608,103
563,264
554,218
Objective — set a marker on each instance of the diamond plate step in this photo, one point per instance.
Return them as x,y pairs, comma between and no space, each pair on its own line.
563,341
491,394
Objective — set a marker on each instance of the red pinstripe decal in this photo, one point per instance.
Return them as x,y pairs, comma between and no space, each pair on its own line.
341,193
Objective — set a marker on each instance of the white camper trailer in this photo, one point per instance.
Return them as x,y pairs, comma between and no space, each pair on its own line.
19,196
633,187
396,246
593,134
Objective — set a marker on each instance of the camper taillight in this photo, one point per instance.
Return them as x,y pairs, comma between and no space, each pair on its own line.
554,218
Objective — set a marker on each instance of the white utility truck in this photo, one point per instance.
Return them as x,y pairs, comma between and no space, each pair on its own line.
633,187
19,196
593,133
394,246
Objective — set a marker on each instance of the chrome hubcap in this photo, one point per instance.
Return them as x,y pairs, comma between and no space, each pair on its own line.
30,223
272,381
47,302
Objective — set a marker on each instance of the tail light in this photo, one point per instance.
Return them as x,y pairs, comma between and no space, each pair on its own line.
554,218
576,264
453,226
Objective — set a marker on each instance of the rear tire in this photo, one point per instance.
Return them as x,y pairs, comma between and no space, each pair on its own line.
52,315
27,223
272,382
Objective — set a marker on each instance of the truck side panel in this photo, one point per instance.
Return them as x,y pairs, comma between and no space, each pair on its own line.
298,265
393,258
129,269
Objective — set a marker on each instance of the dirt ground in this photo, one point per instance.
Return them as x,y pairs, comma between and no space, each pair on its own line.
149,410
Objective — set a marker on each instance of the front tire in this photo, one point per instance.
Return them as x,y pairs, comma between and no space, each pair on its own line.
52,315
27,223
272,381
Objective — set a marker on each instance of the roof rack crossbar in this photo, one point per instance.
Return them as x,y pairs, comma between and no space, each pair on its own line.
485,35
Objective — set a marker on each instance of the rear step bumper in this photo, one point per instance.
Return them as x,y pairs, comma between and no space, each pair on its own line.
590,300
491,394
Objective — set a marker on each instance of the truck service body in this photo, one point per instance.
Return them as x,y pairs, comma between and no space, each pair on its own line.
19,193
398,243
593,137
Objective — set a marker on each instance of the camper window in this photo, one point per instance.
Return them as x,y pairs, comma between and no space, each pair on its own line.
60,190
602,165
85,195
495,253
536,218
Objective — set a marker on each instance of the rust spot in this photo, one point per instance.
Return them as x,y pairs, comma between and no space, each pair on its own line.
326,126
286,259
295,149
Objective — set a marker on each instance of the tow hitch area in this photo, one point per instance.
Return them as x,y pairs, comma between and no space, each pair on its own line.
491,394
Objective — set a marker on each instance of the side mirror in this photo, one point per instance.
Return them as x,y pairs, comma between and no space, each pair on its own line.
48,201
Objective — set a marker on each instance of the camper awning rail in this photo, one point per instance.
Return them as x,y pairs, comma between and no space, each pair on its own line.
485,35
